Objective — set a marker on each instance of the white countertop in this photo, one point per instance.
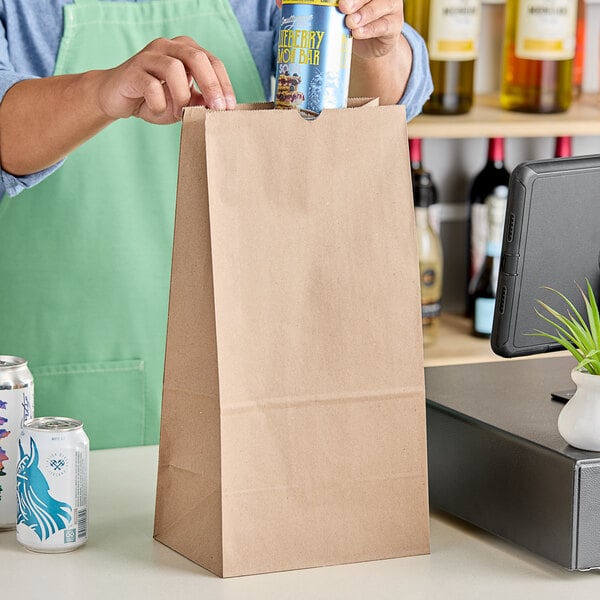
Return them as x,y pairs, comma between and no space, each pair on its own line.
121,560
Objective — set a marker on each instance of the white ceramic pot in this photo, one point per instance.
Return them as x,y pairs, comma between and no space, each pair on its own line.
579,420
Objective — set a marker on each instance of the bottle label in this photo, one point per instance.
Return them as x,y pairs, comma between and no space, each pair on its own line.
496,216
546,29
453,29
431,291
435,217
430,312
479,225
484,315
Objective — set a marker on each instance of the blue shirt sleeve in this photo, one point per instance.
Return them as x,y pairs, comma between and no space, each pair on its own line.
11,184
419,85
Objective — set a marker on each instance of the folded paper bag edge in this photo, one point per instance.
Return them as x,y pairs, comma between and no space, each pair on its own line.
189,112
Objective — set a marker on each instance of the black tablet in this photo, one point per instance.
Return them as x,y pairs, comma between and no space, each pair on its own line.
551,238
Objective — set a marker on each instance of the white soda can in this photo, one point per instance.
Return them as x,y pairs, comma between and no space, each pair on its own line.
52,484
16,407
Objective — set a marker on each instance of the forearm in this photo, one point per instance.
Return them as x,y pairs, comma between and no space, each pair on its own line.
42,120
382,76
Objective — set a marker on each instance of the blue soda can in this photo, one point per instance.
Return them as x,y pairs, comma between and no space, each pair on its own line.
52,485
313,57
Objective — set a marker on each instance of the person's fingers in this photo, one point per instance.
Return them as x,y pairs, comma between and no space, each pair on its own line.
226,84
142,87
158,82
196,99
374,18
171,73
175,61
153,94
208,72
350,6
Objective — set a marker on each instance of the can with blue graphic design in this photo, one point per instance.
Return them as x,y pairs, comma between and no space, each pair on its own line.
313,57
16,407
52,485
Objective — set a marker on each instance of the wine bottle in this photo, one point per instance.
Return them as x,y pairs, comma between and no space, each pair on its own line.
579,60
451,29
483,285
539,46
428,245
562,147
494,174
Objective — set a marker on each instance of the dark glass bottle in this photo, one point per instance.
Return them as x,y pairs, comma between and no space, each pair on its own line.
494,174
484,284
428,244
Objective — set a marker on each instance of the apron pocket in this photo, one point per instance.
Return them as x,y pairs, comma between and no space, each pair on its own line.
108,397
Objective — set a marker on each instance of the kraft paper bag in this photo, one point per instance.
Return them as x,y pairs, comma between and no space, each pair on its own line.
293,418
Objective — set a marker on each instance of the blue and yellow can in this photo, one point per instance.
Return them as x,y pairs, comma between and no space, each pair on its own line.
313,57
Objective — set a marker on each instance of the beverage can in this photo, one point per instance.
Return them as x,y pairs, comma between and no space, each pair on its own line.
52,485
313,57
16,407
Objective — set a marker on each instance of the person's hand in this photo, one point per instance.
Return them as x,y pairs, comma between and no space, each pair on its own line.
376,25
158,82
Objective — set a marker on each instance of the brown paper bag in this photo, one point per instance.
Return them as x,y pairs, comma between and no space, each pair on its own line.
293,419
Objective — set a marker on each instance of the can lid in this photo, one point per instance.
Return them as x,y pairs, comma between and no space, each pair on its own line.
52,424
11,361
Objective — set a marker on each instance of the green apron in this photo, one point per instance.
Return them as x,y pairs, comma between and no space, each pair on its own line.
86,254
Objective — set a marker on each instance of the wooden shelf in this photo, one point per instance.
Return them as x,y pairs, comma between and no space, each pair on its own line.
486,119
456,345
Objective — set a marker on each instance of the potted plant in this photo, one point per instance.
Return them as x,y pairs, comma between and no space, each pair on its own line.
579,420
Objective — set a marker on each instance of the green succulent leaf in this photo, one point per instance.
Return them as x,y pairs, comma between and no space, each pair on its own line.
593,313
571,330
